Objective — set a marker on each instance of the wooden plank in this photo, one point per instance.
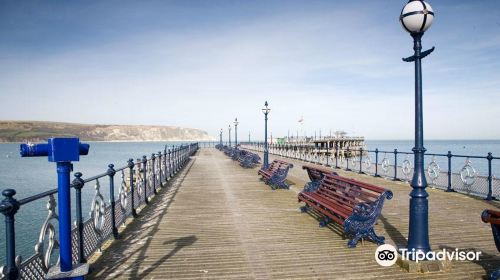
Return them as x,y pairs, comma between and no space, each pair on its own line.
219,221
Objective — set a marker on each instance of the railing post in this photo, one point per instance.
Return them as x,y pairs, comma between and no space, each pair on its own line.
160,168
131,165
145,178
327,153
179,158
395,165
174,151
183,154
172,162
376,163
9,207
169,163
337,155
111,175
449,189
186,154
183,157
78,185
175,160
153,169
347,157
490,178
360,160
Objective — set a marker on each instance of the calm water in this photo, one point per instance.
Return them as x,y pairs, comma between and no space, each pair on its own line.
30,176
457,147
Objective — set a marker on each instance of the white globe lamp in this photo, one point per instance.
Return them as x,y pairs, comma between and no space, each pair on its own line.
416,16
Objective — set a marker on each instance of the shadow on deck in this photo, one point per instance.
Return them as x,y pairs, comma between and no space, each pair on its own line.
219,221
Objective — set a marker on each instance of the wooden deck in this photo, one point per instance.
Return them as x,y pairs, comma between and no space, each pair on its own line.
218,221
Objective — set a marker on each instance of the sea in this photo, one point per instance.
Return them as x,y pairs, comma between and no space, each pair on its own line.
29,176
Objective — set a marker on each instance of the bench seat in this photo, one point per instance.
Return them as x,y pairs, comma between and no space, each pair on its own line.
352,204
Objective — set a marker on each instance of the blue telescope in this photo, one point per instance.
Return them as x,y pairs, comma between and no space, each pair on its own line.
57,149
62,151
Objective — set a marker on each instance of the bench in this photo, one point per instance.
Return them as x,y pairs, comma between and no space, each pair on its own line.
248,159
227,150
316,174
352,204
493,218
235,155
276,173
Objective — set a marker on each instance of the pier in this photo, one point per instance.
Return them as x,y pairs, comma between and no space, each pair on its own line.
160,197
217,220
205,217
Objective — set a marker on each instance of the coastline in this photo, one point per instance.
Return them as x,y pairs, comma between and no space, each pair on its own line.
127,141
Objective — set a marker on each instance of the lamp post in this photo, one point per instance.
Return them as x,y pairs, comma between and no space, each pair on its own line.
416,17
266,111
220,137
236,133
229,127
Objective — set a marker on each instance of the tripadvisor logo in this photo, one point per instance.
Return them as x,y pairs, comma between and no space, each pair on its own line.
387,255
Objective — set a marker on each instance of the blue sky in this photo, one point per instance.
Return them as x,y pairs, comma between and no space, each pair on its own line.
202,63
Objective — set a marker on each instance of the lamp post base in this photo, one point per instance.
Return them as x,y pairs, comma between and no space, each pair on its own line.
423,266
77,273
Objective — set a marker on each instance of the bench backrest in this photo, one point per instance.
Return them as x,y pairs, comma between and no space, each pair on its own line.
279,164
316,173
349,192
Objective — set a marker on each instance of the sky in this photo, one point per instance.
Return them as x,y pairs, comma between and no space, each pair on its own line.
200,64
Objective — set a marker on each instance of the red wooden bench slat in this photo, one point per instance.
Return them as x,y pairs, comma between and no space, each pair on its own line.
337,208
312,202
344,202
335,195
354,199
333,180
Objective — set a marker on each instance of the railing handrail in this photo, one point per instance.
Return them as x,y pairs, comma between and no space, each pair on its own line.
311,153
156,171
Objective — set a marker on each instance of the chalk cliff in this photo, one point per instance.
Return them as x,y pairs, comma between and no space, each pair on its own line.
35,131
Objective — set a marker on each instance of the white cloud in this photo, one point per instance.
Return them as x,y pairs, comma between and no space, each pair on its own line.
333,67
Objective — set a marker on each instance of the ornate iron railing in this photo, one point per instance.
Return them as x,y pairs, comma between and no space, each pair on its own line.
138,182
397,165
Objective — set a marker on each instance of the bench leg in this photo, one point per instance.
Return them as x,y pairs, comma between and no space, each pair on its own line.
304,209
370,234
376,238
283,185
354,241
324,222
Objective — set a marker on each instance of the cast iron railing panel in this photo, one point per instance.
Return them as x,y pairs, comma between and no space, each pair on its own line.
398,165
148,175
